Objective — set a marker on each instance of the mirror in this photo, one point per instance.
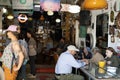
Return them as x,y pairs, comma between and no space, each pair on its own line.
89,40
102,31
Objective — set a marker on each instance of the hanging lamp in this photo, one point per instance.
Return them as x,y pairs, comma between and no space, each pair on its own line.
94,4
57,20
50,13
10,17
74,9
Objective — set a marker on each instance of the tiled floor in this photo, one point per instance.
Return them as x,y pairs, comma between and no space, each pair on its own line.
42,62
42,76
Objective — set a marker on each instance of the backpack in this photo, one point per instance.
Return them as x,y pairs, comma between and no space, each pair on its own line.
24,47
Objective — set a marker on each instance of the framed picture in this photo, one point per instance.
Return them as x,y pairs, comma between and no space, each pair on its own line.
50,5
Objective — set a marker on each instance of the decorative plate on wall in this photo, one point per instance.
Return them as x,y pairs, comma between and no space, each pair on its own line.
118,20
112,16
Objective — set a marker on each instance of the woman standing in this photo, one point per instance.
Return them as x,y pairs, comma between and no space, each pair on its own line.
12,57
111,57
32,53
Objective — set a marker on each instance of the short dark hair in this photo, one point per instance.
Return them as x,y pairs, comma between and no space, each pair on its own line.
96,49
112,50
15,33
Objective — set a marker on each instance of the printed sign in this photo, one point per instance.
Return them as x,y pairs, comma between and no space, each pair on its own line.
22,4
5,2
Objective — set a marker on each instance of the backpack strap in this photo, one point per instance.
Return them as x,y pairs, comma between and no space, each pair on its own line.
13,58
12,61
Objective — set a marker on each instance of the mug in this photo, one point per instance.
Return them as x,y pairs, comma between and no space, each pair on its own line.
101,65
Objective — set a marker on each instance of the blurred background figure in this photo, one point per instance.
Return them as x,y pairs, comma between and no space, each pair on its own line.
60,46
86,53
97,56
32,53
49,44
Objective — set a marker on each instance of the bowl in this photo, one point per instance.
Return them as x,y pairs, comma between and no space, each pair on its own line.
111,70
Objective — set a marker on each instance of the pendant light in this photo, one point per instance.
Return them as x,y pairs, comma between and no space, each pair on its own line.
10,17
94,4
74,9
50,13
57,20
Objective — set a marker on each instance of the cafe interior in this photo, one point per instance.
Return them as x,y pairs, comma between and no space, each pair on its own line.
84,23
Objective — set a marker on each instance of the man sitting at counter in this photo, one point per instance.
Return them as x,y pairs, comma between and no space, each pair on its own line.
65,63
97,56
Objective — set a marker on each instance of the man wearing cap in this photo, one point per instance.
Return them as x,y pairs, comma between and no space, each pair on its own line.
65,63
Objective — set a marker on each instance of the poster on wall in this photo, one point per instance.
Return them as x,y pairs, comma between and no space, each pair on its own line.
5,3
50,5
22,4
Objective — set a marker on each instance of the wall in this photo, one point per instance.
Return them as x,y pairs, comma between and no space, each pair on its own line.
94,14
117,40
1,19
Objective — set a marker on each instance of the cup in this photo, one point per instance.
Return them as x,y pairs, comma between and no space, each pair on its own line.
111,70
101,65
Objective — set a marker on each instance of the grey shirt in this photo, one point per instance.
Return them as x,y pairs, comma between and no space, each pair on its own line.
32,47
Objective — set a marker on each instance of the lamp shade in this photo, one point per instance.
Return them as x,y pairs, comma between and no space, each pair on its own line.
94,4
74,9
57,20
50,13
10,17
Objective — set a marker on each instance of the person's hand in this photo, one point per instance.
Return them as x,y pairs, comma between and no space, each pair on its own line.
15,68
85,60
109,62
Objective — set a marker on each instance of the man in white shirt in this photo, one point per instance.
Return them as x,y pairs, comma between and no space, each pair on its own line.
65,63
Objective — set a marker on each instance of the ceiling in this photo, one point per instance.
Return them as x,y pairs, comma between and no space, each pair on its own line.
79,2
65,1
37,13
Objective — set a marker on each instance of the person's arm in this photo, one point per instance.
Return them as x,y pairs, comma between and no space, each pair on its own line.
17,49
83,55
115,61
72,62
